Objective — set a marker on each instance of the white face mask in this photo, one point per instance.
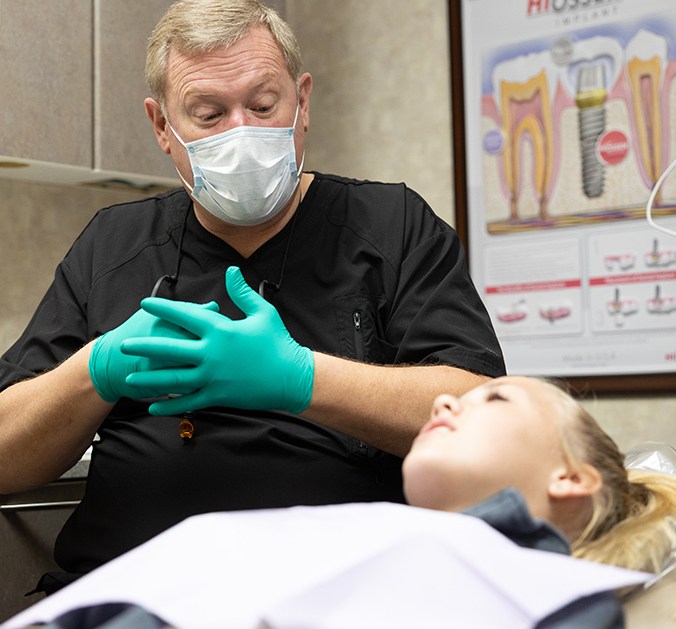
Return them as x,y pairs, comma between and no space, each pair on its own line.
245,175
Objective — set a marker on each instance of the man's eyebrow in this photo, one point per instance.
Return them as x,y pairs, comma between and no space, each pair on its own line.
271,80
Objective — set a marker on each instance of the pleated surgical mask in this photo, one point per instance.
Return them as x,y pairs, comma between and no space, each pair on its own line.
246,175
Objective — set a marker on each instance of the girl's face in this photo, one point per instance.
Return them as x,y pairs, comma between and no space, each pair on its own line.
504,433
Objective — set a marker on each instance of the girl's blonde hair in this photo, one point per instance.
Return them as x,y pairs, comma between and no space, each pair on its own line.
197,26
633,523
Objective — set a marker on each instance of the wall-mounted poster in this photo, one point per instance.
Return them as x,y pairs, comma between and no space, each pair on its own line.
569,120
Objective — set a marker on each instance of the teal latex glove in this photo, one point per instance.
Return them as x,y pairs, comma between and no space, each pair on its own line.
252,363
109,367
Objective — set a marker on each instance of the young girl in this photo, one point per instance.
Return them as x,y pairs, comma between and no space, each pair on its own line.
528,434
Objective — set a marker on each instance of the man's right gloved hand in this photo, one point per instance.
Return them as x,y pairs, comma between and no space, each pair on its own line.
109,367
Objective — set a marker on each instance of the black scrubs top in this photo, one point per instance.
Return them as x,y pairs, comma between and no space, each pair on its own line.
371,274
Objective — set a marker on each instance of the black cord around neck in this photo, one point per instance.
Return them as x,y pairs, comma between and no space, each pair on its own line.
276,287
172,279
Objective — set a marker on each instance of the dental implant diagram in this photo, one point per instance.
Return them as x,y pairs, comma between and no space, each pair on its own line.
657,257
591,99
661,305
620,308
515,312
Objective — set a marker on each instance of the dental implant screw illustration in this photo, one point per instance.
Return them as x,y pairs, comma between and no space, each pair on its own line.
591,99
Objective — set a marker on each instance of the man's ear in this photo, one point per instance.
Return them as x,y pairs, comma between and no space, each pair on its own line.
159,122
304,91
566,482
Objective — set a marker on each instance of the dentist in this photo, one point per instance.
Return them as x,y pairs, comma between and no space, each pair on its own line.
299,327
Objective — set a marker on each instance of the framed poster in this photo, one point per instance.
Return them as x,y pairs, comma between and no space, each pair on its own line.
564,118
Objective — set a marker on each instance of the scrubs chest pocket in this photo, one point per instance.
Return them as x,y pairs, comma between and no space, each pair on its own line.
360,338
360,329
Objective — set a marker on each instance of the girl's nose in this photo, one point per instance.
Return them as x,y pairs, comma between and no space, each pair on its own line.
446,403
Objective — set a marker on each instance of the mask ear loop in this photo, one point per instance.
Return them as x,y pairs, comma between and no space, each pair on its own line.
183,144
651,200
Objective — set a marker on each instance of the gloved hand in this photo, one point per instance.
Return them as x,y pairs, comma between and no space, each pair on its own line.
252,363
109,367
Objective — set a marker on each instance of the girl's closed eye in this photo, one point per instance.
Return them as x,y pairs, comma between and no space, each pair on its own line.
495,396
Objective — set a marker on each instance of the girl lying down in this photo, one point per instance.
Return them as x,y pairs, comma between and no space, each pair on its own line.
509,444
528,434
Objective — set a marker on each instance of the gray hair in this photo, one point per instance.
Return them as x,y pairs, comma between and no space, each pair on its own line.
197,26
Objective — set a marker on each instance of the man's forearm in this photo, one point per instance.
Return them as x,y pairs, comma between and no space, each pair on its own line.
384,406
47,423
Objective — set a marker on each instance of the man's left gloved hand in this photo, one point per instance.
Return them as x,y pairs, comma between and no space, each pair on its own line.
252,363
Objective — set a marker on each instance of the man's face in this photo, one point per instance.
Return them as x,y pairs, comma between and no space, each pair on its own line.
246,84
501,434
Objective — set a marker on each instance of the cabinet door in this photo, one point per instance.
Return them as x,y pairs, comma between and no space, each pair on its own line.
123,135
46,80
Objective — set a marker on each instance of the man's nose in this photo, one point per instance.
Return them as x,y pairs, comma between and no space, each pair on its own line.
237,118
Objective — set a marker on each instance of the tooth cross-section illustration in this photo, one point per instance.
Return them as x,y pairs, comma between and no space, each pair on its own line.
646,64
527,116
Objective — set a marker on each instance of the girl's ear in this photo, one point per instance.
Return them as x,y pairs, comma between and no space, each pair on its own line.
568,483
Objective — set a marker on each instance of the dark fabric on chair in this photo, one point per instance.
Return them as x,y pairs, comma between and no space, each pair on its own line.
108,616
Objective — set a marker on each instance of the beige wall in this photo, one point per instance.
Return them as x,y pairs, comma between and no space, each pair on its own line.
38,223
380,110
